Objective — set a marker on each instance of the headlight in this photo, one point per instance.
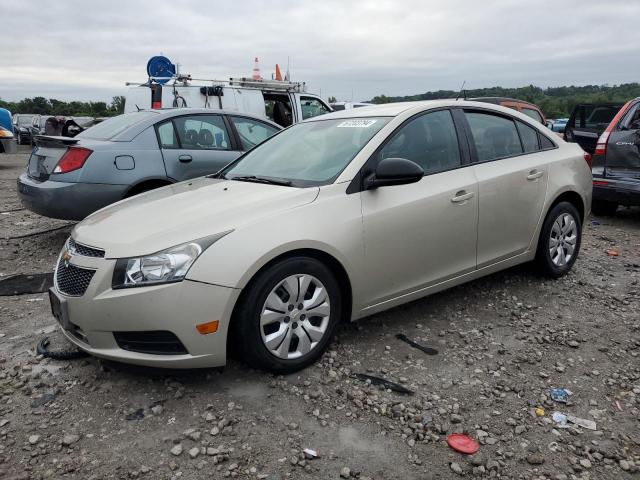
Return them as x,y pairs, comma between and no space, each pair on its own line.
168,266
4,133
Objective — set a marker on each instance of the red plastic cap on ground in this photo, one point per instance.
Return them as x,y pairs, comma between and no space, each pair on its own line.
463,443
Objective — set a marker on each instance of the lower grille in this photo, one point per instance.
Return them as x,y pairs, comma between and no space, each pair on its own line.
156,342
71,280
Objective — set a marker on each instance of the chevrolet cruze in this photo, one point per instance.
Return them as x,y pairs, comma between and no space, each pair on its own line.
331,220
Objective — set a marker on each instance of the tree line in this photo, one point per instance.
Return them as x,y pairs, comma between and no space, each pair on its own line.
51,106
555,102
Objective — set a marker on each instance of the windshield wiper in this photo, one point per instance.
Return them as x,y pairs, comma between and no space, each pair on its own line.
253,178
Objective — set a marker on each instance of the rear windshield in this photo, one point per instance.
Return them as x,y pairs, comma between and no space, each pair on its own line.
112,127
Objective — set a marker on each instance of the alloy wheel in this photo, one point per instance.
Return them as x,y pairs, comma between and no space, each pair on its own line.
563,238
295,316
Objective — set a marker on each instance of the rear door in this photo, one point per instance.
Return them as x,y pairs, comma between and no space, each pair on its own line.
587,123
512,171
196,145
310,106
622,158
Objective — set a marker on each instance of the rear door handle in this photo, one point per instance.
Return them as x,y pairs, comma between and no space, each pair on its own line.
185,158
462,196
534,174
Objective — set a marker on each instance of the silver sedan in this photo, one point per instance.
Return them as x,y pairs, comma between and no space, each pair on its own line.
69,178
333,219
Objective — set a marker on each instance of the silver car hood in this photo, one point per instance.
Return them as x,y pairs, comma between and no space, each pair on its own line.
186,211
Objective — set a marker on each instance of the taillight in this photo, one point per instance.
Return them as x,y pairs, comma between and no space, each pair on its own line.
73,159
601,146
587,158
600,182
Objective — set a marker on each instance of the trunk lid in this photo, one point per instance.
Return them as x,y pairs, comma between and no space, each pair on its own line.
46,154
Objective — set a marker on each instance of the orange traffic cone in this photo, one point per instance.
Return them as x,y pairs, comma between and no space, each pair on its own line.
278,74
256,70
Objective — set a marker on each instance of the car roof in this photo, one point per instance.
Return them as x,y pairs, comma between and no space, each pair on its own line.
395,109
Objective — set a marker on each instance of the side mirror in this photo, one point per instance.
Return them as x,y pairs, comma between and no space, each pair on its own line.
394,171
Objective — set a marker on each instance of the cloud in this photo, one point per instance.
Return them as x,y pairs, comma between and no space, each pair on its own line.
79,50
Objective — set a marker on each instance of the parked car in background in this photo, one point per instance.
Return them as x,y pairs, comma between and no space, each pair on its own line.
22,127
334,219
336,106
588,121
69,178
8,142
559,125
529,109
38,124
616,162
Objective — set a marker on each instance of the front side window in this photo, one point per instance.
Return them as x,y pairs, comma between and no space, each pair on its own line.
530,112
529,138
202,132
494,136
430,140
252,132
308,153
312,107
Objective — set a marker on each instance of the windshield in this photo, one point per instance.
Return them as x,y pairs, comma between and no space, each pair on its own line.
113,126
309,153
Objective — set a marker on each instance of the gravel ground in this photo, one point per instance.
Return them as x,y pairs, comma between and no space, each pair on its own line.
503,342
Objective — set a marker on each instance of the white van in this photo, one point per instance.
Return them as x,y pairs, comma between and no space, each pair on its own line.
284,103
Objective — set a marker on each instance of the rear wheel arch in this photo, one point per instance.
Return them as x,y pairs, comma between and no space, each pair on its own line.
573,198
146,185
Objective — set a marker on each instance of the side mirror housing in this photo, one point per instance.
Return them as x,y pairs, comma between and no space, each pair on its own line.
394,171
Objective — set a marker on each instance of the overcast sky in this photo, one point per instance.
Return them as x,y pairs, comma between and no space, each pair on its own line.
87,50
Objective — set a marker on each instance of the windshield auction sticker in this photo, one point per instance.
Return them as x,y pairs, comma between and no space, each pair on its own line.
356,123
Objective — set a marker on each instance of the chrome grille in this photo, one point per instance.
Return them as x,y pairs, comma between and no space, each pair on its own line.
79,249
72,280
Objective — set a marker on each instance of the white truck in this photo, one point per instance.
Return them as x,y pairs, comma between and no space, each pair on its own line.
282,102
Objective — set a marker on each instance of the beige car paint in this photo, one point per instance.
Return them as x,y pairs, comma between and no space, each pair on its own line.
396,244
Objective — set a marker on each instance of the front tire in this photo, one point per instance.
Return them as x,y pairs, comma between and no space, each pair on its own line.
288,316
560,239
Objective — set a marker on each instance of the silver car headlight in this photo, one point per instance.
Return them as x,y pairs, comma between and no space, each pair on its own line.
167,266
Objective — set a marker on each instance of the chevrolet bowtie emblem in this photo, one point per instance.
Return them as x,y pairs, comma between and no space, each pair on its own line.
66,258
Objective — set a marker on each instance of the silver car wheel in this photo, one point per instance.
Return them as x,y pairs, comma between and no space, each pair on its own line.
562,243
295,316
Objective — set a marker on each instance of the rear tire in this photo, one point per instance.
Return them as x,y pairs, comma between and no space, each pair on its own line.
604,208
271,329
559,242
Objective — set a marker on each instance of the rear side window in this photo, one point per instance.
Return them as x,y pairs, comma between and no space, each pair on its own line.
596,117
167,135
252,132
202,132
529,138
430,140
494,136
530,112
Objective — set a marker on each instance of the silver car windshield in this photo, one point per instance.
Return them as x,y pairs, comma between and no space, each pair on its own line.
308,153
115,125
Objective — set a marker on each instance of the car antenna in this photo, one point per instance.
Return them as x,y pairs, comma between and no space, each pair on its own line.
462,91
138,107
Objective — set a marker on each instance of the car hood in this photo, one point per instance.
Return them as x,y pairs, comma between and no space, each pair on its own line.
186,211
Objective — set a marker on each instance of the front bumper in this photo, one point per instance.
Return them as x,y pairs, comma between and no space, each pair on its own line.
622,192
177,308
9,145
66,201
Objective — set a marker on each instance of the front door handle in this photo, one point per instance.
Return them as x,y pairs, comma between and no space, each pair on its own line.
462,196
534,174
185,158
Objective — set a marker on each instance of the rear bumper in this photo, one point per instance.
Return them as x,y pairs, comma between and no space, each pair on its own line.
622,192
9,145
66,201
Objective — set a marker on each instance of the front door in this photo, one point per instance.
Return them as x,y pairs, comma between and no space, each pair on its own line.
195,145
423,233
511,168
